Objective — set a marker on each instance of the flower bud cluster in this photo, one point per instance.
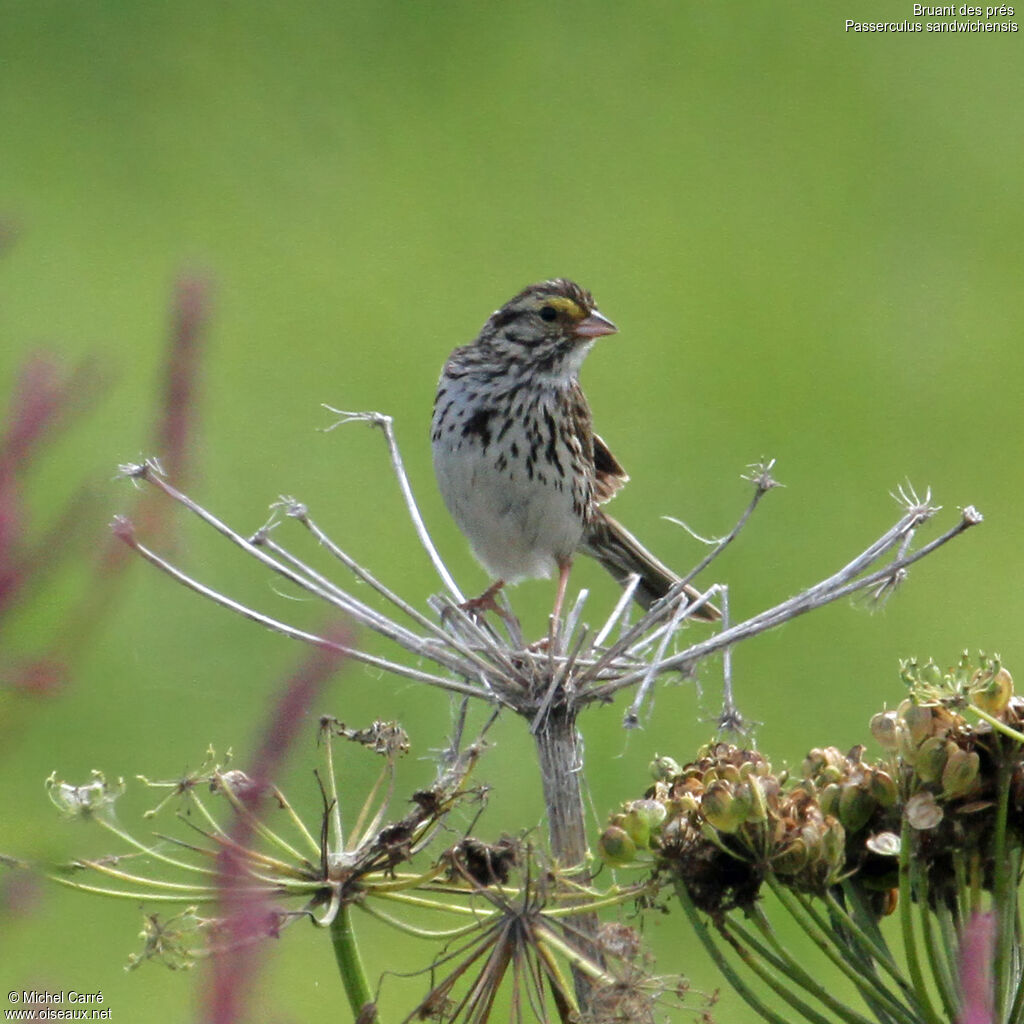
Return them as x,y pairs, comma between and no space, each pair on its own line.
987,686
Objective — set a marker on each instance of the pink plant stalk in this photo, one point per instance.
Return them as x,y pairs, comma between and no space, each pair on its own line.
977,947
248,918
45,400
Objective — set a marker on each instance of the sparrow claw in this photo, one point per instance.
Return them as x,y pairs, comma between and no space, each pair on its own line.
479,606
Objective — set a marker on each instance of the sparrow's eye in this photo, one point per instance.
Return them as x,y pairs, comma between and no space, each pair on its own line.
548,313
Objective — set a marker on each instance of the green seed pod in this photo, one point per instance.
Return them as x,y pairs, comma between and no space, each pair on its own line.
828,799
758,804
792,860
833,845
994,695
683,805
722,809
638,829
616,848
651,812
885,730
663,768
960,774
931,759
883,788
856,806
918,722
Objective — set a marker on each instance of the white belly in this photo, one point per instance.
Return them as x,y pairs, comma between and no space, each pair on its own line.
518,527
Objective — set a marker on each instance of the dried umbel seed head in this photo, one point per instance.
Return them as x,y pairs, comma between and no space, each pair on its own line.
619,940
481,863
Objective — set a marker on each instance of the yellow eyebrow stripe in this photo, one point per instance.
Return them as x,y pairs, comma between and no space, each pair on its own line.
565,305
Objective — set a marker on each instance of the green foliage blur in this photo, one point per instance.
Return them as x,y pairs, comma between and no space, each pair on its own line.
811,240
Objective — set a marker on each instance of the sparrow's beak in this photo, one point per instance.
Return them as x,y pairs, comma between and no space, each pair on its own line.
594,326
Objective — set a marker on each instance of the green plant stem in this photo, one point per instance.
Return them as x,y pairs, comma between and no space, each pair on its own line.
350,964
788,966
943,971
741,988
433,935
299,824
1016,1014
1004,892
732,933
907,928
870,988
867,934
998,724
865,947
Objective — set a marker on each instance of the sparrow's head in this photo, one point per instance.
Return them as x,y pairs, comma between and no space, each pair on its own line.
548,327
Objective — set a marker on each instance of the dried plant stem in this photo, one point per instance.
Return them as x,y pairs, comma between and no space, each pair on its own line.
841,584
386,424
558,754
561,763
126,533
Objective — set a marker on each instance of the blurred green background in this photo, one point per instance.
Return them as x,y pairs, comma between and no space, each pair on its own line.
810,240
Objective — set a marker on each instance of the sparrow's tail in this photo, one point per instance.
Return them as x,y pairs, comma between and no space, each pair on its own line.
622,555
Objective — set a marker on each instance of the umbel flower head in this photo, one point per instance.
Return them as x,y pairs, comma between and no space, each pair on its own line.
285,868
933,830
723,823
212,889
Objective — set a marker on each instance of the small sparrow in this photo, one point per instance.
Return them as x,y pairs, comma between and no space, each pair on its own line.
517,460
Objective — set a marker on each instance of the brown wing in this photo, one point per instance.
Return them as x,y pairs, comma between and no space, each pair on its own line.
609,476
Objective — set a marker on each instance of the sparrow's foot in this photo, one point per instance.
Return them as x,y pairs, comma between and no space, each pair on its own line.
479,606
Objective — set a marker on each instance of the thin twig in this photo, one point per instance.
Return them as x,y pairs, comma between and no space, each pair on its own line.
631,719
808,600
381,623
760,476
386,424
124,531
